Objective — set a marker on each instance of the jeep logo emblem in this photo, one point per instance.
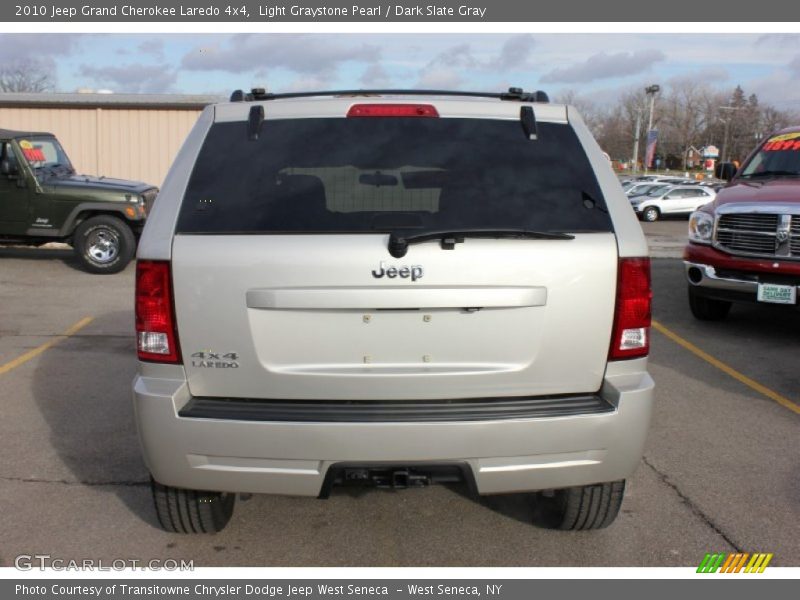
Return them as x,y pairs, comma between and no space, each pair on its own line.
414,272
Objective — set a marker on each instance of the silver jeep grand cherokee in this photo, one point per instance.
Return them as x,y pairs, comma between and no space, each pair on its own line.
392,288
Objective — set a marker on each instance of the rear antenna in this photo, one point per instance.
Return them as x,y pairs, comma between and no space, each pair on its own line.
254,121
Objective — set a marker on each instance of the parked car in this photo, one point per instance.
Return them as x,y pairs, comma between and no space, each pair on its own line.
745,246
396,303
43,200
642,189
660,179
672,200
677,180
714,184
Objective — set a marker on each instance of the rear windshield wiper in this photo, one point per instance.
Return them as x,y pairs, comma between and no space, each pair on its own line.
398,244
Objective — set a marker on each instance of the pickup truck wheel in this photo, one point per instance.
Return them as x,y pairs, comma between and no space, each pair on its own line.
650,214
191,511
706,309
104,244
580,508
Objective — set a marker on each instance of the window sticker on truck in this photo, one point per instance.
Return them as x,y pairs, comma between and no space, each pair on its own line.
787,141
31,152
786,136
34,154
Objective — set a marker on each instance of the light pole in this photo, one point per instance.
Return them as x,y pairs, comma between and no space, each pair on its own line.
651,91
635,161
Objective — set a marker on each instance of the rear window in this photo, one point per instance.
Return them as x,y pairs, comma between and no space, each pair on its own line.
357,175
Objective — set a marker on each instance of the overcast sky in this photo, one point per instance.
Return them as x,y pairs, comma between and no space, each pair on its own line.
597,65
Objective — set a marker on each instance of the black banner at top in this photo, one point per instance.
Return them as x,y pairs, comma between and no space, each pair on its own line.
436,11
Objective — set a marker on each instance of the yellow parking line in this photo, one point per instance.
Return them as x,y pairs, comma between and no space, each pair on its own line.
20,360
728,370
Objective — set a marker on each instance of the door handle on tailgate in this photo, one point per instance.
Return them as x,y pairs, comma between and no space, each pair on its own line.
397,297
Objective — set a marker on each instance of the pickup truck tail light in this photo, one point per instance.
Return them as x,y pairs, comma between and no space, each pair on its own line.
630,336
156,334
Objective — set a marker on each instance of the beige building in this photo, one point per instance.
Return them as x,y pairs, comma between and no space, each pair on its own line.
129,136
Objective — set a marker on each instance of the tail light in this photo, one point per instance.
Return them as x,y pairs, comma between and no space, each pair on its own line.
631,331
392,110
156,335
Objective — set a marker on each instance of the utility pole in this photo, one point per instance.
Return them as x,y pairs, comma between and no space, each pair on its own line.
727,121
651,91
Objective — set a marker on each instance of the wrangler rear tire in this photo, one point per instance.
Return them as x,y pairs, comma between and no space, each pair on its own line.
191,511
580,508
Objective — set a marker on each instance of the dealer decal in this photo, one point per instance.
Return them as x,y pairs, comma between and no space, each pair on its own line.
787,141
34,155
31,153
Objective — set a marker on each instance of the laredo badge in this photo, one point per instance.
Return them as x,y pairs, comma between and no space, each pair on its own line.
215,360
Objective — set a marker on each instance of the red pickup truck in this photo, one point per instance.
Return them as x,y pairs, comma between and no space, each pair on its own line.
745,245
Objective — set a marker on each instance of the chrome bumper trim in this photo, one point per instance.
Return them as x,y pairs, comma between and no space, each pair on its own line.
710,279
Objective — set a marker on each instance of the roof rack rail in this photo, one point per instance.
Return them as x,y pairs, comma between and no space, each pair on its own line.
513,94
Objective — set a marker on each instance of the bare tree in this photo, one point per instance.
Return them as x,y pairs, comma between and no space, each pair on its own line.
687,114
634,106
689,109
773,119
615,135
26,76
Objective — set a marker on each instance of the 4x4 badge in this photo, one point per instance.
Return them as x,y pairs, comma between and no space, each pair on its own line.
414,272
215,360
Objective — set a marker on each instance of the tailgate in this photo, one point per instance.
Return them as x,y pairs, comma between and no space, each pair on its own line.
305,317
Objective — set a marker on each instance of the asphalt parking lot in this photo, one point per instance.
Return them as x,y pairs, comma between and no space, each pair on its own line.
721,470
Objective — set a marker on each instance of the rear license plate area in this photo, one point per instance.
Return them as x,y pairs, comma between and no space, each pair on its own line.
397,476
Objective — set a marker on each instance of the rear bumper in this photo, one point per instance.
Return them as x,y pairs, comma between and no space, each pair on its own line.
504,455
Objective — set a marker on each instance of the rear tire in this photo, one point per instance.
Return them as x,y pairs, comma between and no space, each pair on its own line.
580,508
191,511
104,244
706,309
650,214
